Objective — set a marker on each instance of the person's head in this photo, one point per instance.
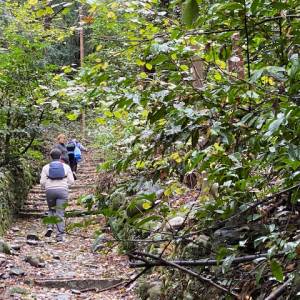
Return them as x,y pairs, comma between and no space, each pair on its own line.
55,154
61,138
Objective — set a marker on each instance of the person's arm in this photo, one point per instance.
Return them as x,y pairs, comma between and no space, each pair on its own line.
70,176
81,147
43,177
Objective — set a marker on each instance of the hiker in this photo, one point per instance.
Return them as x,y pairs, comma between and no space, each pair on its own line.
74,151
61,139
56,177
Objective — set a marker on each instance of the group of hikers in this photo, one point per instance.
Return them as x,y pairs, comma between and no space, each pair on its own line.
56,177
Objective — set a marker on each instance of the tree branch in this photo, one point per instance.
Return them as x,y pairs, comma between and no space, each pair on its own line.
275,294
190,272
201,262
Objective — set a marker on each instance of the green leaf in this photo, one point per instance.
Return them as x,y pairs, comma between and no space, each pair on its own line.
275,125
259,274
277,270
190,12
72,116
230,6
227,263
51,220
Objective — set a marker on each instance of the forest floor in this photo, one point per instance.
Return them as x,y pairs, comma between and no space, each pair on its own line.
37,263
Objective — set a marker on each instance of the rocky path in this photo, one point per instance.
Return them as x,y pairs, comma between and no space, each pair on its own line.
40,268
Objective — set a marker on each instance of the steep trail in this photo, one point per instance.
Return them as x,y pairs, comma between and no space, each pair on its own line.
71,266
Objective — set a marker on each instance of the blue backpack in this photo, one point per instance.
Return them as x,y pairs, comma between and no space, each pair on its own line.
56,170
77,154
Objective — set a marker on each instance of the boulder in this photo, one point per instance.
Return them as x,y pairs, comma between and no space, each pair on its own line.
16,271
175,223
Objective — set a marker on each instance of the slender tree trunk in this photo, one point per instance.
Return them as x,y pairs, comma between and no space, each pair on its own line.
81,40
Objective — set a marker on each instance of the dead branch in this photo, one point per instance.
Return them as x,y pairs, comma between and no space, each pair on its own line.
275,294
201,262
190,272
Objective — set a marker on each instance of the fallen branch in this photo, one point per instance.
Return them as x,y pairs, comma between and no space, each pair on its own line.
275,294
137,276
79,213
200,262
190,272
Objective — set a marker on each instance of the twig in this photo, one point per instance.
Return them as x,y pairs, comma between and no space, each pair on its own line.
247,39
137,276
105,289
202,262
275,294
190,272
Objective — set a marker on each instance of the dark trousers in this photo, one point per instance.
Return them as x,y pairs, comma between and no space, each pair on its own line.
73,163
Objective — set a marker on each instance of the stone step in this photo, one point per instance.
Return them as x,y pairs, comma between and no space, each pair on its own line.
41,214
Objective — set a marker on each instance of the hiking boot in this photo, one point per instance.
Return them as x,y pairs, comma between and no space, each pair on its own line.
49,232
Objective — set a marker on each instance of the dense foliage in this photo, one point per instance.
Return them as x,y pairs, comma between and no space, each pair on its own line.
195,106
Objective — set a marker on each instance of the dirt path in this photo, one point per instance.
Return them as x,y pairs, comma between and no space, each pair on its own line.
65,262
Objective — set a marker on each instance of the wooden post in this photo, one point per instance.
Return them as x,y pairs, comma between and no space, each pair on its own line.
81,43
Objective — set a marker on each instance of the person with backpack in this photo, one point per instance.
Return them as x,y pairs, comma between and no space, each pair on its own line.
56,177
61,140
71,155
74,151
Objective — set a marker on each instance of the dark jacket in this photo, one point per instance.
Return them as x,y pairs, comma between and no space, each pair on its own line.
64,152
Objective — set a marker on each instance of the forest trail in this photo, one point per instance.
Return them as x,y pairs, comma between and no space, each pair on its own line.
72,264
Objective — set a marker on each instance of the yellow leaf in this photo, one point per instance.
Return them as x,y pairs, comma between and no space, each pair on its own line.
101,121
162,122
175,156
139,62
267,80
174,56
184,67
178,191
221,64
140,164
108,113
147,205
118,114
144,113
49,10
218,76
143,75
99,47
168,192
149,66
111,15
105,66
32,2
67,69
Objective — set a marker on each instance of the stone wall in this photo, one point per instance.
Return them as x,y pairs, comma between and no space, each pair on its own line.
15,182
